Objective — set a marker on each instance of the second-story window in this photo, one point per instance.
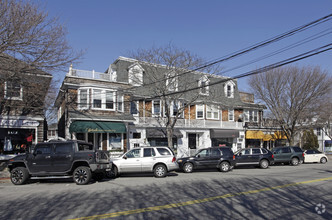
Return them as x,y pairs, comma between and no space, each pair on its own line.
134,108
212,112
103,99
120,103
13,90
199,111
156,107
230,114
83,101
251,116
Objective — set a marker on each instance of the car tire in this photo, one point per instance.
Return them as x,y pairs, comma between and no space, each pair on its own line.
113,173
323,160
19,175
160,171
82,175
264,164
188,167
295,161
225,166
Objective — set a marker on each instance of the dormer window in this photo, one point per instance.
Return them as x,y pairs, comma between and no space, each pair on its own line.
203,83
229,89
172,82
135,75
13,90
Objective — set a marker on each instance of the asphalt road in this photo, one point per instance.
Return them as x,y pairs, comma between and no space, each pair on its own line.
279,192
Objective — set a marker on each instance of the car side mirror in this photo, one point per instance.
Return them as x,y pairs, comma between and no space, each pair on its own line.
198,156
124,157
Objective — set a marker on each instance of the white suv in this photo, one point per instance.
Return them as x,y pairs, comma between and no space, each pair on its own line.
158,160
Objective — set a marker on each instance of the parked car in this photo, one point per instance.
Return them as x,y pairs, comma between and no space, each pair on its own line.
158,160
290,154
254,156
213,157
60,159
314,156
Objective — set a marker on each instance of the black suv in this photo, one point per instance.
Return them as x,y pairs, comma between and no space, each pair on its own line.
291,154
221,158
60,159
254,156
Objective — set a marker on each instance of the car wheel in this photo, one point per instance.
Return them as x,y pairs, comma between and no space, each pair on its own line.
264,164
160,171
188,167
113,173
295,161
323,160
19,175
82,175
225,166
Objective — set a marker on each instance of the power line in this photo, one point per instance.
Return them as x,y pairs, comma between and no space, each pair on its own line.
254,47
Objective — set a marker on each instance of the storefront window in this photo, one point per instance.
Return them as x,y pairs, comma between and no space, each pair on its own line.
115,141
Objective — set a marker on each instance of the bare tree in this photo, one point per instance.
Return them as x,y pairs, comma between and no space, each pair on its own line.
30,43
294,95
167,70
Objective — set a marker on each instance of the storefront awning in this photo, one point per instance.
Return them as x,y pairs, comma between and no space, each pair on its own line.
279,135
268,137
161,133
97,127
255,135
224,133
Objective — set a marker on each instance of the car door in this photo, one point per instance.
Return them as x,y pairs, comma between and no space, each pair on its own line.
309,156
131,162
62,157
243,157
255,156
148,160
215,156
41,159
202,158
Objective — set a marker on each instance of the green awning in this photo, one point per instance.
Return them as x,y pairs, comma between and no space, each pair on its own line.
97,127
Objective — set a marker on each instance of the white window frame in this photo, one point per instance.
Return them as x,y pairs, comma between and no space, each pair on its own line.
103,99
232,88
153,108
212,109
87,97
120,96
204,79
20,97
180,104
198,109
135,75
172,82
230,114
249,115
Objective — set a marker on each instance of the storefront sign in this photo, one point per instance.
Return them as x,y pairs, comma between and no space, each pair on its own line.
18,123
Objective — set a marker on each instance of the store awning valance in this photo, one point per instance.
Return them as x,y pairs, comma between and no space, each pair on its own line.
97,127
224,133
268,137
279,135
161,133
254,135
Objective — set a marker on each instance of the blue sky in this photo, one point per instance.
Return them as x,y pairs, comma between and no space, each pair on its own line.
211,29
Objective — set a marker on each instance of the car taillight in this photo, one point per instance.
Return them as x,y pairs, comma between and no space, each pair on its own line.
272,156
173,160
302,154
233,157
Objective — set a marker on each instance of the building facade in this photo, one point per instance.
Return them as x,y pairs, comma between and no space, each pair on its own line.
118,109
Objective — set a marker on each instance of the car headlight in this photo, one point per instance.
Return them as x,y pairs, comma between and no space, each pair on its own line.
179,161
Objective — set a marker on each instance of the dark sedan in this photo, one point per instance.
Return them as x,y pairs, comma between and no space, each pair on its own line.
221,158
254,156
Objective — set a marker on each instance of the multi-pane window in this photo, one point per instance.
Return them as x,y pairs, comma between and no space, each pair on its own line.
175,108
199,111
156,107
251,116
103,99
230,114
13,90
203,83
212,112
120,103
229,89
83,98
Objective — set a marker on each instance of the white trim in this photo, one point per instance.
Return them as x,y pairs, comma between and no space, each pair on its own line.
122,102
232,89
230,113
20,97
206,80
87,98
137,108
197,107
103,99
213,109
153,109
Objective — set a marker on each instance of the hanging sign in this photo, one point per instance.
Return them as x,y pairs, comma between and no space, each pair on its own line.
18,123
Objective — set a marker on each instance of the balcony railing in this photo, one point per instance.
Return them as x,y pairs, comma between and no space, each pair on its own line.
92,75
190,123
